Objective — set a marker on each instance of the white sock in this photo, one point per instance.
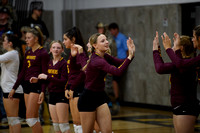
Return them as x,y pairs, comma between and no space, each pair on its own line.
75,130
79,129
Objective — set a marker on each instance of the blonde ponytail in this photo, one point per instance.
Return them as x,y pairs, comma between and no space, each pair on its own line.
92,40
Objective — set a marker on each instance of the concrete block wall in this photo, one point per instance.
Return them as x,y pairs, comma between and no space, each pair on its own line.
141,83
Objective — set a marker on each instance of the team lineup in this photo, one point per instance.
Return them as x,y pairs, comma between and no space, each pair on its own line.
79,82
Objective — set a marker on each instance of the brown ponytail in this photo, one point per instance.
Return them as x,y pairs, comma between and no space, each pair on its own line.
188,48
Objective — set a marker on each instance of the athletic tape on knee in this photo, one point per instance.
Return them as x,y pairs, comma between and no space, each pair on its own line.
32,121
56,127
64,127
13,120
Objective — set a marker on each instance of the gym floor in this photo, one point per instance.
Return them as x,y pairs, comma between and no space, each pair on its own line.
128,120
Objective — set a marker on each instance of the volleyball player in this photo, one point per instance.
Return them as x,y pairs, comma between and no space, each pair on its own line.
57,78
72,40
183,83
35,62
93,102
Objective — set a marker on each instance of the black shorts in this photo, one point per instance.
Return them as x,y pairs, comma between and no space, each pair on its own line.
57,97
90,100
117,78
31,87
16,95
78,91
187,109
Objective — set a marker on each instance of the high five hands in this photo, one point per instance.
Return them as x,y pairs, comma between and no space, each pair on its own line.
176,42
167,41
156,42
131,48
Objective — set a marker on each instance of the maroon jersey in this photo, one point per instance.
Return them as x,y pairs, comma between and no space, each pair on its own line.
57,76
76,76
98,67
183,81
34,64
183,63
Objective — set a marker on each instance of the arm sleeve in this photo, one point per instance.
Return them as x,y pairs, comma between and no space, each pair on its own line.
160,66
21,75
113,60
116,71
81,59
178,53
44,59
79,79
6,57
62,80
182,63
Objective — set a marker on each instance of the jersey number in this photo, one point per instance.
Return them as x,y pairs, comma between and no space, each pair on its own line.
29,63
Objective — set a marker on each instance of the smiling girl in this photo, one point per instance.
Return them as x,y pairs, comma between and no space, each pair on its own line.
57,78
92,104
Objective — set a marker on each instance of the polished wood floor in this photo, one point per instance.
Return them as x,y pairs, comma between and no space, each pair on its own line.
128,120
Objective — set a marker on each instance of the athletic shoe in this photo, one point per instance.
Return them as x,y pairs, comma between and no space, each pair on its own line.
4,120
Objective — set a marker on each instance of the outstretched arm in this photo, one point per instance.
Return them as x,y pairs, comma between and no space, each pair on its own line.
179,62
117,62
117,71
160,66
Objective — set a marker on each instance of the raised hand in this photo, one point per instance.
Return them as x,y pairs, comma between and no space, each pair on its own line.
166,41
89,47
131,48
80,48
74,51
42,76
176,42
156,42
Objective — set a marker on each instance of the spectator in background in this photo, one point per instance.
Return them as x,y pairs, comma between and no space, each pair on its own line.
35,18
6,22
122,49
103,29
120,40
13,14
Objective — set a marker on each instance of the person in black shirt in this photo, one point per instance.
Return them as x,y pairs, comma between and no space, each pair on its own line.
35,19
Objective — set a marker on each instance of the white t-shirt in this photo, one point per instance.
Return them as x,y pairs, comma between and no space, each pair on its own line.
9,71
